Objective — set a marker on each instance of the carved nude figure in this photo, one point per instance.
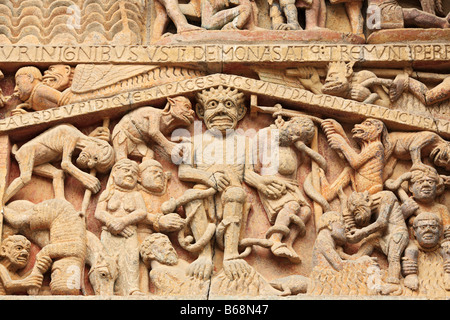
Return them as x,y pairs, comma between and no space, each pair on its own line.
120,208
59,144
178,13
366,165
290,206
147,127
412,17
284,15
403,82
168,273
427,240
363,86
66,248
15,253
331,265
380,224
103,267
153,187
32,92
211,167
425,185
225,15
415,146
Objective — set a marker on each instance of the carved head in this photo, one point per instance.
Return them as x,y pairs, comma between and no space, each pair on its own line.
153,177
370,130
181,110
125,174
157,246
26,79
359,204
427,229
337,80
221,108
440,155
96,153
58,76
297,129
16,250
333,221
425,183
103,274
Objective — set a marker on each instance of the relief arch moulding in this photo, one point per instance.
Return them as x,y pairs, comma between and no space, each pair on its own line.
93,111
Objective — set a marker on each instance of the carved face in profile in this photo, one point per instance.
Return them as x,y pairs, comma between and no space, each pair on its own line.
337,80
221,108
427,229
181,110
368,130
58,77
17,250
125,174
26,79
359,204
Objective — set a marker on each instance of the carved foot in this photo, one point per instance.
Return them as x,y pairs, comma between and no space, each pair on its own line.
282,250
287,26
412,282
201,268
188,28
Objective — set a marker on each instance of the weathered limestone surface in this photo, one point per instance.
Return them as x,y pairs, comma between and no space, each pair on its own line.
244,149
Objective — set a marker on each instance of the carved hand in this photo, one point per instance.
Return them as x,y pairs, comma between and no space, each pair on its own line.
91,182
171,222
273,188
356,235
336,141
409,207
359,93
219,180
116,225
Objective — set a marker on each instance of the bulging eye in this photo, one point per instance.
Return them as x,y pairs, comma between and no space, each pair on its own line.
228,104
212,104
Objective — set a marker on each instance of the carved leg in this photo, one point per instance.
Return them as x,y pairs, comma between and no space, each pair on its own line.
202,267
316,15
276,17
57,176
160,22
397,245
233,200
439,93
409,267
214,18
26,163
355,17
281,229
177,16
290,11
417,18
330,191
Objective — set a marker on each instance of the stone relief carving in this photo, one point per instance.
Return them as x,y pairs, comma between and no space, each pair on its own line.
313,164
